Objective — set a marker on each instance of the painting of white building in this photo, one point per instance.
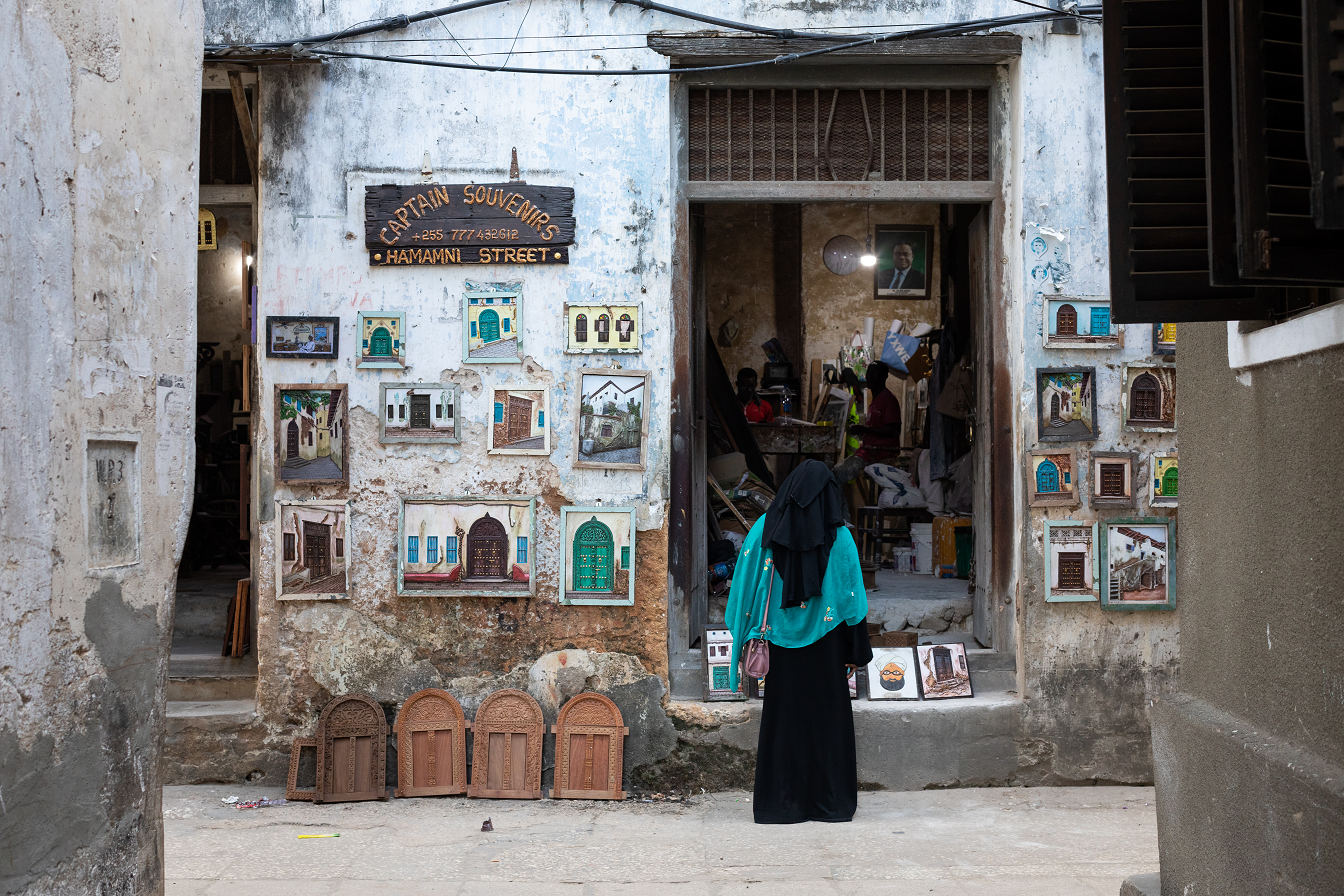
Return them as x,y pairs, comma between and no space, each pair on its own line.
612,419
1137,564
418,412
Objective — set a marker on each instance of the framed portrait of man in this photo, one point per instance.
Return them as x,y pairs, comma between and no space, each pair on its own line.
904,268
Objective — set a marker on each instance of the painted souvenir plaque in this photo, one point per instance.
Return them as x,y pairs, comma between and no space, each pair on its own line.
382,339
590,329
418,413
1070,561
311,433
1164,339
719,656
1066,404
1113,477
942,670
904,268
491,326
599,555
1054,478
1079,322
468,547
1149,399
613,426
518,422
1162,482
893,674
311,550
305,338
1138,557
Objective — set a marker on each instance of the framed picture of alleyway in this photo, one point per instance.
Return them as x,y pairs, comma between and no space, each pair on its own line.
304,338
602,329
1066,404
419,413
492,325
1070,561
598,547
1137,557
312,538
518,421
382,340
613,425
311,434
466,547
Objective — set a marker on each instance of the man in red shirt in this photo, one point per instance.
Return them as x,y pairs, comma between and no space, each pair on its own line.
755,410
881,432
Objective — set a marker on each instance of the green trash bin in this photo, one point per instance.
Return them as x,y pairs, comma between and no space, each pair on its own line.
965,540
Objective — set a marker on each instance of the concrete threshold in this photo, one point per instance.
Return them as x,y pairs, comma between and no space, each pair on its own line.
210,715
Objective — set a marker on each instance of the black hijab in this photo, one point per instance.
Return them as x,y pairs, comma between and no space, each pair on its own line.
800,529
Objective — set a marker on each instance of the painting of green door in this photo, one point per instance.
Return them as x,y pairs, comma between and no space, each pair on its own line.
1169,483
593,550
489,326
380,345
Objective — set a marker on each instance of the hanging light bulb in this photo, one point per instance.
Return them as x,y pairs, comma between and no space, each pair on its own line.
868,259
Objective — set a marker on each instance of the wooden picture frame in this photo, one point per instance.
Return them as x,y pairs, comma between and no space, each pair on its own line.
598,556
944,673
1112,477
1148,399
419,413
718,654
613,422
431,734
312,443
380,340
1163,479
312,547
492,325
321,338
1070,578
919,281
1164,340
614,329
506,747
1066,404
351,751
451,562
519,422
1137,557
292,789
1083,322
893,674
589,749
1052,477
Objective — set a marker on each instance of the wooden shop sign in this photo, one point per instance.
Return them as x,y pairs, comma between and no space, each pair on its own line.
509,223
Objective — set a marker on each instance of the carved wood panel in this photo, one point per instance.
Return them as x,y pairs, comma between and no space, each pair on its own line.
351,751
431,745
589,750
506,752
292,791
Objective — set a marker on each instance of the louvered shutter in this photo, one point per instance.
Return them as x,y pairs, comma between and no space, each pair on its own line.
1323,52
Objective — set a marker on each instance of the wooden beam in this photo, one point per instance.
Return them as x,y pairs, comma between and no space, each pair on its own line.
719,46
227,194
244,122
843,191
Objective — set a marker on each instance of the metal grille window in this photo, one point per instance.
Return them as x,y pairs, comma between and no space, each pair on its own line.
922,134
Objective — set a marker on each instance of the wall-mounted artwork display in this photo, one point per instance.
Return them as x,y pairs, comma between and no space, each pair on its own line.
492,326
1138,556
719,657
311,434
1070,561
943,673
306,338
1162,481
904,268
518,422
613,329
893,674
1047,260
466,547
419,413
1079,322
382,339
1066,404
1053,477
1113,478
1164,339
599,555
613,425
1149,398
310,552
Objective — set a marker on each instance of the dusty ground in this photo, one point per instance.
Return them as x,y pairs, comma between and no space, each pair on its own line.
1005,842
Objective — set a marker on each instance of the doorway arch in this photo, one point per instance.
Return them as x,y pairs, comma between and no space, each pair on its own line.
1047,477
593,552
380,343
487,549
489,325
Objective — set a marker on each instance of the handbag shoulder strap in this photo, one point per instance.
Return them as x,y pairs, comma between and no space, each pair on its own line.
769,591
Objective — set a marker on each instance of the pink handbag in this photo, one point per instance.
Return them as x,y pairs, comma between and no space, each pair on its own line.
756,656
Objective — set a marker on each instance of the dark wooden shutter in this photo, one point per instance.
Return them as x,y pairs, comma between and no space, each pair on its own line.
1113,480
1323,55
1071,571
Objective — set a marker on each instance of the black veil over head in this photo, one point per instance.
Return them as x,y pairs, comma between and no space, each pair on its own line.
800,529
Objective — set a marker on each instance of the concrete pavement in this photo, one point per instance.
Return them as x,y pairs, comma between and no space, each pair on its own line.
1048,841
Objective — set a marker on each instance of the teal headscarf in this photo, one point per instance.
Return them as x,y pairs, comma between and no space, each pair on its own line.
843,598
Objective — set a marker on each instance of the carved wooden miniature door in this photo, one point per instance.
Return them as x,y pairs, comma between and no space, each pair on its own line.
589,750
351,751
431,745
506,748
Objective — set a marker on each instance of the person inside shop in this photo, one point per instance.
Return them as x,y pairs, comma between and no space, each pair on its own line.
755,410
800,561
880,433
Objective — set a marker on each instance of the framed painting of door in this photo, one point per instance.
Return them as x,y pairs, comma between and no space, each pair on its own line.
311,550
381,340
518,422
598,545
1053,477
312,434
1113,478
1162,480
419,413
1079,322
492,324
1148,400
466,546
605,329
1070,561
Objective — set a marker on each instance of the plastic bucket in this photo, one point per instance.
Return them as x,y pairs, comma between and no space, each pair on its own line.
921,539
965,541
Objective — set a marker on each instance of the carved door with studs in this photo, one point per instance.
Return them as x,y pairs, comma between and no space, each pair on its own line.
351,751
506,747
431,745
589,750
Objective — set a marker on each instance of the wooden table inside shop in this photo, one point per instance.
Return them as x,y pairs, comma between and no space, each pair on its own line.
794,438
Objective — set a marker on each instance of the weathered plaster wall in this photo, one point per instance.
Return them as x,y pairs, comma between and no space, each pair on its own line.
740,281
220,282
97,203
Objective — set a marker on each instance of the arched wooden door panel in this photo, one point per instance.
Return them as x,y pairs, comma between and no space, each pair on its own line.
431,745
506,747
487,548
1047,477
380,345
1169,483
489,326
1145,398
581,328
1066,321
351,751
292,439
1054,409
589,750
593,552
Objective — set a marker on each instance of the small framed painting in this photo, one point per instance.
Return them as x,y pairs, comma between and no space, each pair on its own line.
1054,477
466,547
304,338
1138,556
310,555
1079,322
1162,483
1113,476
518,421
1070,561
904,268
419,413
613,425
598,544
719,657
606,329
1148,402
382,339
942,670
893,674
311,438
492,325
1066,404
1164,339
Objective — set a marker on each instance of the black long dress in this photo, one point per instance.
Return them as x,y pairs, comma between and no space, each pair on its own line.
806,768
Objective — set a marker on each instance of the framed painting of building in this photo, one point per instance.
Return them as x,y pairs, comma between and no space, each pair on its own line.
419,413
598,545
1148,402
942,670
311,434
1113,477
312,538
466,547
1053,477
1066,404
1163,481
613,425
893,674
492,326
305,338
1070,561
1164,339
605,329
1138,556
904,268
382,339
1079,322
518,421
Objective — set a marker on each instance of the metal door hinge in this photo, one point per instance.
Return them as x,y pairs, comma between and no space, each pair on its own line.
1263,241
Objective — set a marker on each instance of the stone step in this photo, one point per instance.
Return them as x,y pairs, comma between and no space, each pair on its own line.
210,715
223,687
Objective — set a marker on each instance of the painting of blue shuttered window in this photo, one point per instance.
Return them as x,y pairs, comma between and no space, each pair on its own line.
450,549
499,412
1100,324
522,550
473,328
504,325
432,549
1047,477
412,549
541,419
